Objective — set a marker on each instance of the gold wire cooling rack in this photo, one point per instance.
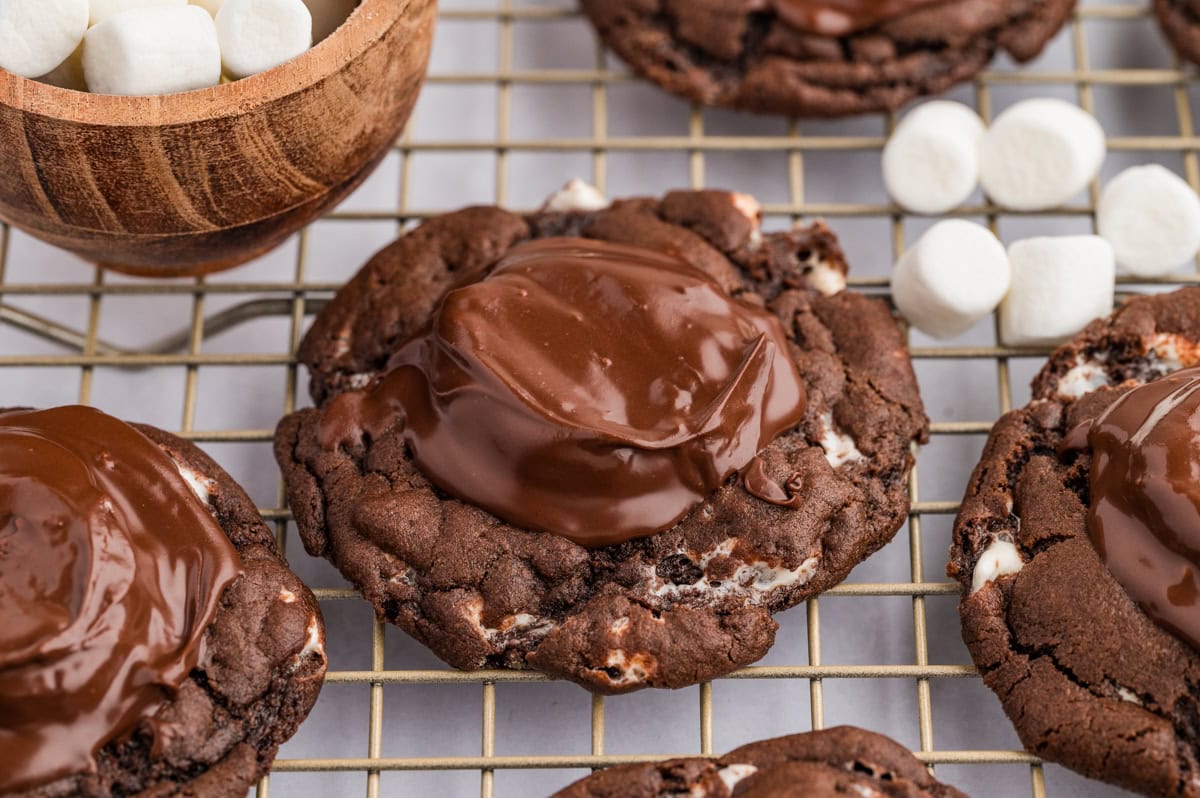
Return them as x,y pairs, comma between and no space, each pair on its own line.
80,346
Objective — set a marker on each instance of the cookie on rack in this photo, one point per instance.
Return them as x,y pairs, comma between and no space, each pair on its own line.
822,764
1077,553
820,59
154,641
602,441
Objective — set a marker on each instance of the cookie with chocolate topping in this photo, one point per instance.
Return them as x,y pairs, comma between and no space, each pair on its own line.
822,764
1078,546
154,641
821,58
604,443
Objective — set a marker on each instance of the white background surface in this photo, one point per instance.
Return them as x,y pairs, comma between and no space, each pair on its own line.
426,720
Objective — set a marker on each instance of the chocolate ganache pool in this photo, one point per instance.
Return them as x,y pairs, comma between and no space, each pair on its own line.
110,571
1144,513
593,390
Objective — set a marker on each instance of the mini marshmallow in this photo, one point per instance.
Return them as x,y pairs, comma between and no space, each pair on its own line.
954,275
103,9
1039,153
152,51
211,6
931,162
257,35
38,35
1151,216
1059,284
998,559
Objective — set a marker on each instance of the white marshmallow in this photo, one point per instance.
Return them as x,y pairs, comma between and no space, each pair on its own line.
931,162
211,6
68,74
152,51
1151,216
1059,284
257,35
38,35
103,9
1039,153
999,558
954,275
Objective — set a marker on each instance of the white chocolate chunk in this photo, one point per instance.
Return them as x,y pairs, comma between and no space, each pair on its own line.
152,51
954,275
1039,153
38,35
1151,217
576,195
257,35
931,162
1059,284
998,559
103,9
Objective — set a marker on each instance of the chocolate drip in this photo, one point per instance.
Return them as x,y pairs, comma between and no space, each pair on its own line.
589,389
1144,517
842,17
110,571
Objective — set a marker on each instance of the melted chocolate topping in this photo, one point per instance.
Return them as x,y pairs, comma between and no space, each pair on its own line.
110,572
593,390
842,17
1144,517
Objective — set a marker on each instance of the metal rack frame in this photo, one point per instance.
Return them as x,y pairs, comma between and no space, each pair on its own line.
297,296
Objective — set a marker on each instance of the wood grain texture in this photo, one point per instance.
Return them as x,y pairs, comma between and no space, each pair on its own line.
202,181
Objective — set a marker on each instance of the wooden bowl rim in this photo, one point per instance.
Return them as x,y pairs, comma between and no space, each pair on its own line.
328,57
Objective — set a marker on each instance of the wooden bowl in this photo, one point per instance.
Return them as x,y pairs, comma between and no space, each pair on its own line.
196,182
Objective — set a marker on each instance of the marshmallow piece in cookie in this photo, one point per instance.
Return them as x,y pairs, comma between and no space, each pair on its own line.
576,195
257,35
998,559
1059,284
38,35
1039,153
103,9
1151,216
147,51
954,275
931,162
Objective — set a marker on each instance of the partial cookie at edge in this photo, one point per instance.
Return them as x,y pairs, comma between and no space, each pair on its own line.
260,673
1088,679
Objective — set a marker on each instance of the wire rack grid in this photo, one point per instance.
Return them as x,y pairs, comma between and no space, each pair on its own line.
54,326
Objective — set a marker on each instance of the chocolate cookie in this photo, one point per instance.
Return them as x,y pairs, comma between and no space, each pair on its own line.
1089,678
1180,22
112,701
828,58
820,764
666,610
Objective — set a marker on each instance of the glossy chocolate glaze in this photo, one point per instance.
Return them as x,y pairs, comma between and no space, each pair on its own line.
842,17
1144,513
593,390
110,571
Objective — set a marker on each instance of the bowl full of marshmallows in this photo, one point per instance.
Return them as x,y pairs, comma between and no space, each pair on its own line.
169,138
